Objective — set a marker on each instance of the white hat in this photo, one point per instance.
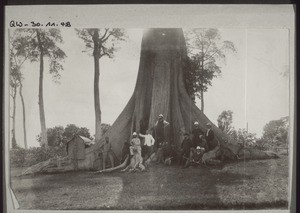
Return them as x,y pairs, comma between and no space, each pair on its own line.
161,115
208,124
134,133
196,123
198,147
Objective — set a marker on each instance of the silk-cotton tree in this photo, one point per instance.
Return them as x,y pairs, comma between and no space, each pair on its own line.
44,44
205,49
101,42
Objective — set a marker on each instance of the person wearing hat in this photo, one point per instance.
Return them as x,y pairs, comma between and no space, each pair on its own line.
160,132
195,135
209,136
196,157
185,148
135,145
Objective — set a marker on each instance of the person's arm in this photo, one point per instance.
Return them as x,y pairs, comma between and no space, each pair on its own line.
166,123
141,135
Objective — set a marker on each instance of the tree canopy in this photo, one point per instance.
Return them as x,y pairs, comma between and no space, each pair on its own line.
58,135
275,133
206,50
101,42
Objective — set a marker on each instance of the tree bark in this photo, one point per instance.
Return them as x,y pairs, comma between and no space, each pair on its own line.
202,101
13,131
160,90
24,114
44,141
98,130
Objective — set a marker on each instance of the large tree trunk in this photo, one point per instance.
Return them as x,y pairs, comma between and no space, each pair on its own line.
96,54
160,90
13,131
44,141
24,118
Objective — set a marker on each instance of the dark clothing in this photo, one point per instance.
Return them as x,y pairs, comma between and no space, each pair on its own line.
196,132
210,136
203,144
195,159
160,128
166,150
160,133
186,145
147,151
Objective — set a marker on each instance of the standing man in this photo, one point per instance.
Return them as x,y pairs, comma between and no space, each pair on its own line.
107,151
210,136
149,142
196,132
160,132
185,148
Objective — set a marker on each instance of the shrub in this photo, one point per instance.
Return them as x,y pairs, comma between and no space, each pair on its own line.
20,157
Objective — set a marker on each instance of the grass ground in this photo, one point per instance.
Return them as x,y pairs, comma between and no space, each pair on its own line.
242,185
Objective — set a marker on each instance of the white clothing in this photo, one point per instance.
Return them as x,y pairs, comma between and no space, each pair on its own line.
149,140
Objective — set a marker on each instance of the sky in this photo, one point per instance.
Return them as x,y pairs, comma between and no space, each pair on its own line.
251,84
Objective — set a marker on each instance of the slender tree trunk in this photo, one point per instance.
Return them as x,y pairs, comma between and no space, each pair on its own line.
44,141
24,114
13,131
202,69
98,131
202,101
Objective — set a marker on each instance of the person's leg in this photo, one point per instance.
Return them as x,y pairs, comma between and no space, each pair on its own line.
111,158
104,161
131,148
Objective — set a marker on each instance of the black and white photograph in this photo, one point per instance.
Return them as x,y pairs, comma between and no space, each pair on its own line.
188,116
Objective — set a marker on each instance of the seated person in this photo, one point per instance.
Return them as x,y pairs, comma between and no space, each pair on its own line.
203,143
196,157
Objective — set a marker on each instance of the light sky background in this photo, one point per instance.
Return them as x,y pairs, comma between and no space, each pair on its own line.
251,84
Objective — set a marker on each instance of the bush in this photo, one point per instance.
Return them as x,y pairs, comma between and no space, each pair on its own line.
20,157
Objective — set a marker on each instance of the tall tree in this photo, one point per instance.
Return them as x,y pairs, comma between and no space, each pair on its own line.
102,43
14,84
206,49
44,44
19,52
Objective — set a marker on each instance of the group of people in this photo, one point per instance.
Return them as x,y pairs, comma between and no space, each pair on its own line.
192,148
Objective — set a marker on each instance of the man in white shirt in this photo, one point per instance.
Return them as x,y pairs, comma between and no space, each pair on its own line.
148,144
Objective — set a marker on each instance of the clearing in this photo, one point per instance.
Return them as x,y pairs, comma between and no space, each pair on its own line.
257,184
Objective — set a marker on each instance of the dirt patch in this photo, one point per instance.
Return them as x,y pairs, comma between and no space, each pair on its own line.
243,185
